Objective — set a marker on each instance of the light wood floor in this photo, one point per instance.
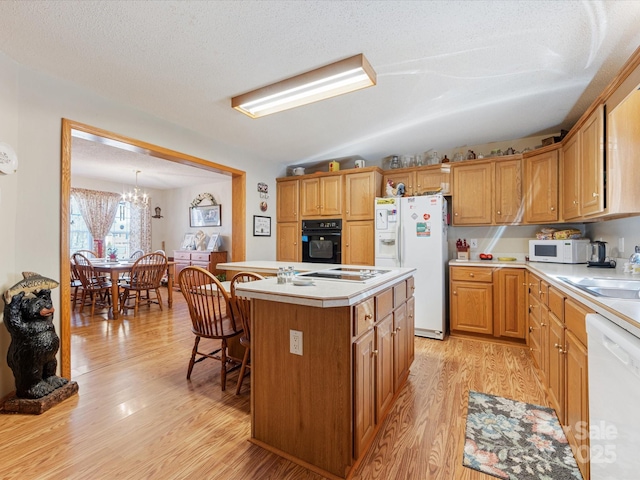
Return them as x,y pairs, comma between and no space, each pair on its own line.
136,416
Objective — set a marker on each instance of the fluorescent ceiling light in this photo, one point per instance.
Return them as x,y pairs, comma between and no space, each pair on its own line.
329,81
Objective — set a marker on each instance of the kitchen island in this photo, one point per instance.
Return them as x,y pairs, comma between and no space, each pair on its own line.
321,406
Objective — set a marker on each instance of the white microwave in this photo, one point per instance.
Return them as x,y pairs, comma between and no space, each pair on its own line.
559,251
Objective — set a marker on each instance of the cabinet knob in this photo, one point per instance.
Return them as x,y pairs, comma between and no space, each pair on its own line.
455,214
471,275
499,212
595,194
374,353
347,212
553,209
347,245
555,345
398,329
368,316
543,324
575,202
455,293
530,329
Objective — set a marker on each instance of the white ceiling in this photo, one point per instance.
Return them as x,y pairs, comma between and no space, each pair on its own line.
449,73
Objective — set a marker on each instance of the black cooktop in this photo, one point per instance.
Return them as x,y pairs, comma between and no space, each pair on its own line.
345,274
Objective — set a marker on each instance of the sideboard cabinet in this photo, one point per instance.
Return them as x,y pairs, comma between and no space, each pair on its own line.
206,260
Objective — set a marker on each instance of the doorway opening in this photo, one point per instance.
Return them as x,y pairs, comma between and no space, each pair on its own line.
71,129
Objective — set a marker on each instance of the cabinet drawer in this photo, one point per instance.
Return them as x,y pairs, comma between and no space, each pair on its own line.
200,257
384,303
181,255
363,318
543,293
556,303
204,265
399,293
472,274
574,319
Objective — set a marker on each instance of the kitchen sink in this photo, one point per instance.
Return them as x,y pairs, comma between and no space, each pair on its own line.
606,287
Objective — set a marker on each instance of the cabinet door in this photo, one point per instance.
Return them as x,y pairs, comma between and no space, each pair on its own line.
400,346
556,362
358,243
472,307
510,303
472,194
287,242
360,192
577,391
331,196
541,188
288,198
384,365
364,391
310,197
430,179
411,325
508,191
571,178
535,332
592,164
408,178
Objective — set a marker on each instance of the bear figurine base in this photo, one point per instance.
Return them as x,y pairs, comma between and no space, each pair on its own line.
36,406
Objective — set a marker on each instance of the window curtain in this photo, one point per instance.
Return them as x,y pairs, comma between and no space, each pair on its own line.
140,234
98,211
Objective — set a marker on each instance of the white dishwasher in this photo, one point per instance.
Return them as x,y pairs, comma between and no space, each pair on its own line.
614,400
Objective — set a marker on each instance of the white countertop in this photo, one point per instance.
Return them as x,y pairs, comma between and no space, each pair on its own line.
271,267
323,293
622,312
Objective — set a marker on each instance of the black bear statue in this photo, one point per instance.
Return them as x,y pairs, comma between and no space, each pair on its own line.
28,316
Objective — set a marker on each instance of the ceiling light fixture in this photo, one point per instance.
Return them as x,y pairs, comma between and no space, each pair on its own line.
345,76
135,197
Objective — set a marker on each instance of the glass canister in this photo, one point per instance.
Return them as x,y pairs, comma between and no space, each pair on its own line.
395,162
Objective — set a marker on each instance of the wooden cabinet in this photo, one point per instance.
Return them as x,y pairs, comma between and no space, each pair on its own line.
360,192
541,187
358,243
555,369
583,169
383,353
206,260
471,300
510,302
288,247
473,194
321,197
288,197
419,180
488,192
489,302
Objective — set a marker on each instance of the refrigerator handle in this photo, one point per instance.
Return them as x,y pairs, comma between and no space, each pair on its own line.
399,243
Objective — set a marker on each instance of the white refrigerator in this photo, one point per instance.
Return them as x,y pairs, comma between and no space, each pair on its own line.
412,232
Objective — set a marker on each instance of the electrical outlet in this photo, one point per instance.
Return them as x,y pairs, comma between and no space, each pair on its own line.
620,245
295,342
473,242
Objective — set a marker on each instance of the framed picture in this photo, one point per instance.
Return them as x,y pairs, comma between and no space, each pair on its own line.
261,226
213,242
188,241
207,216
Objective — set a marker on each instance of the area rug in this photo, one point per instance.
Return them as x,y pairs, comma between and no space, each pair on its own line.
516,440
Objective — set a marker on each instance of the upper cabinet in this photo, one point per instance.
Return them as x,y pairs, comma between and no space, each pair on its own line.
419,180
321,197
360,190
541,186
287,200
592,164
488,192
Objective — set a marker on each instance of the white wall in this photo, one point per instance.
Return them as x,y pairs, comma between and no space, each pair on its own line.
611,231
31,108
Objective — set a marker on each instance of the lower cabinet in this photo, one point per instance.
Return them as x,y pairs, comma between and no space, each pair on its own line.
383,352
206,260
358,244
288,248
488,301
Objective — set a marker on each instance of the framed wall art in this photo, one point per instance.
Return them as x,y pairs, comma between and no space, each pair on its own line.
261,226
207,216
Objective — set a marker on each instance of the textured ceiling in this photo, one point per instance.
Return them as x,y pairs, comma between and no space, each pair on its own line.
449,73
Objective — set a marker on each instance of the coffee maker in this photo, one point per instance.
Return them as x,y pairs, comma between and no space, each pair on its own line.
598,255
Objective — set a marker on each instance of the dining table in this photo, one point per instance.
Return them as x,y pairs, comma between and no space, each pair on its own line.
115,269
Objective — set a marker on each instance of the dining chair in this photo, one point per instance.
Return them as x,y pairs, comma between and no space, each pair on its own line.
146,274
136,254
242,310
87,253
211,317
98,288
76,285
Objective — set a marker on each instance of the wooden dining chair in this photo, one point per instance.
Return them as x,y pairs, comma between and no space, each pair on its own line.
136,254
145,277
98,288
87,253
211,317
242,310
76,285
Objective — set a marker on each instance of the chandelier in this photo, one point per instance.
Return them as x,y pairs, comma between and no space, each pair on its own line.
136,197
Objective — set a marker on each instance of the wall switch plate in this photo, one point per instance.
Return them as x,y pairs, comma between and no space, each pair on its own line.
473,242
295,342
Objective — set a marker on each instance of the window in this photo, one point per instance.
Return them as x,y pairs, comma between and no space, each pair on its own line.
118,236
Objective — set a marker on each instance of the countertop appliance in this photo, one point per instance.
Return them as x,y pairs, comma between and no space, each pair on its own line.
614,390
412,232
322,241
598,255
560,251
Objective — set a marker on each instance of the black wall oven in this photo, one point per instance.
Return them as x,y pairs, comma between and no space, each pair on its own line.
322,241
